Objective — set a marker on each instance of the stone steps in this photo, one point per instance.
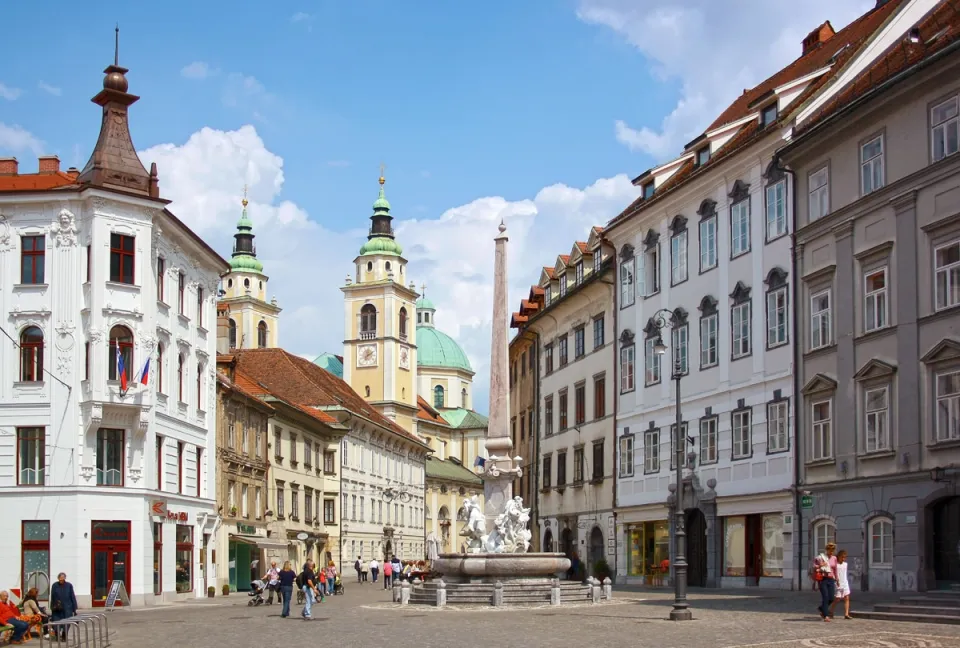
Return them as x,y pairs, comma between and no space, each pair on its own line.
932,607
915,617
934,601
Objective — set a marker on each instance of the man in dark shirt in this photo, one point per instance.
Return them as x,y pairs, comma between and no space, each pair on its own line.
309,588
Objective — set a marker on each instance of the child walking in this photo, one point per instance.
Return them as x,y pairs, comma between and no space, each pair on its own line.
843,585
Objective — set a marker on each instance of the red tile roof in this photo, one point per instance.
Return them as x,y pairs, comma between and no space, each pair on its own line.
39,181
550,271
427,413
582,246
240,389
565,258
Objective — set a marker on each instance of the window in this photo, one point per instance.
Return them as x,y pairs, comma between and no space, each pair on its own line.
545,471
180,378
563,285
703,156
184,558
768,115
708,440
875,300
180,466
871,165
577,465
308,506
822,442
547,295
948,407
307,454
599,397
876,414
820,327
548,415
948,275
563,410
438,396
523,363
598,337
548,358
579,342
580,404
329,511
776,210
402,320
562,344
579,272
161,273
881,543
741,330
35,555
648,270
708,341
651,363
626,455
160,367
742,433
824,532
293,448
777,439
199,469
945,125
181,290
368,322
89,262
158,558
708,243
295,504
31,456
627,291
679,342
121,346
648,190
562,468
673,443
199,306
31,354
33,251
597,260
200,388
740,228
121,258
627,359
651,451
819,183
160,459
262,335
777,317
110,456
86,360
678,257
329,462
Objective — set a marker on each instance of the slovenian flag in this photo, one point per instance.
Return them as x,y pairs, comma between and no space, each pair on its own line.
145,374
121,371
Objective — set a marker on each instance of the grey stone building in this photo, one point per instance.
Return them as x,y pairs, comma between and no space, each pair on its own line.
877,325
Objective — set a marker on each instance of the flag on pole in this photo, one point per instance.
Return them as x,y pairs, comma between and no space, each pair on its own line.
121,371
145,373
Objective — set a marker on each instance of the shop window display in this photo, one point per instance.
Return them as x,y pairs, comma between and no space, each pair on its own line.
648,551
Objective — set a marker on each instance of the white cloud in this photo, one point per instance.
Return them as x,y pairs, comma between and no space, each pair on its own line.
307,263
198,70
244,90
711,50
8,93
304,18
49,89
15,139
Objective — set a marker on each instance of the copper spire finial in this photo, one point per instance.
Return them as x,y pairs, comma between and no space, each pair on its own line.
116,45
382,179
244,201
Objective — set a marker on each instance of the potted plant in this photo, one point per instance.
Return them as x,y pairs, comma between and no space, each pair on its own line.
601,569
233,511
226,589
211,591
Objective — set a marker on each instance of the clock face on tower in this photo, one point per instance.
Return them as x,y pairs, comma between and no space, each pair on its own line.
367,355
404,357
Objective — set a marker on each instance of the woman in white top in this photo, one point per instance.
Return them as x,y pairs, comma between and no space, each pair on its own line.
843,585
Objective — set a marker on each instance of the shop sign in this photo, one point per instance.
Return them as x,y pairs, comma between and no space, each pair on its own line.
158,507
173,516
246,529
806,501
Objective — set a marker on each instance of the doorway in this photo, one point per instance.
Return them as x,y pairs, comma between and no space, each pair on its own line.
110,559
754,550
696,548
596,549
946,543
388,551
548,541
566,543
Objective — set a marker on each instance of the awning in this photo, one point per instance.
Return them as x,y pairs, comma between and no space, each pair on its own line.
263,543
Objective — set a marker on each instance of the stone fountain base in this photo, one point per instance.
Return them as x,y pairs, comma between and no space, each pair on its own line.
499,566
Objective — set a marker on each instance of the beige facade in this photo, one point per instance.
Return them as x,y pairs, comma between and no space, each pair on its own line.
523,421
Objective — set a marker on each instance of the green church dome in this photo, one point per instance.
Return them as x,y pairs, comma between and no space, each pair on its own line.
381,245
425,304
245,263
437,349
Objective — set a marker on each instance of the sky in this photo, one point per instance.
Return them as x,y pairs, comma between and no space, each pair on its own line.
537,112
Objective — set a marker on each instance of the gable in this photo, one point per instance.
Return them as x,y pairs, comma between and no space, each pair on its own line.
818,384
874,369
945,350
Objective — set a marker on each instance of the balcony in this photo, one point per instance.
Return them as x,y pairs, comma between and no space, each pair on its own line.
368,335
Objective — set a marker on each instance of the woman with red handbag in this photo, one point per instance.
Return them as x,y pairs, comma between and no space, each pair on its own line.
825,577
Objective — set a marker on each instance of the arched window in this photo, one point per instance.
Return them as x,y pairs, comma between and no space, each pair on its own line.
180,378
368,320
881,542
121,344
824,532
160,366
403,322
262,335
199,385
232,327
31,354
463,398
438,396
246,283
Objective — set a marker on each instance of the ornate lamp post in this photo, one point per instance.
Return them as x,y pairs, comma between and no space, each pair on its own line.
662,319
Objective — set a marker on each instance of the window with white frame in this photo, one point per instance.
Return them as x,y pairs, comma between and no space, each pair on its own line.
679,344
777,317
875,300
678,257
740,228
708,440
881,542
777,439
824,532
628,357
821,431
708,340
626,455
819,185
740,429
563,285
740,318
708,243
776,210
627,291
947,269
948,406
945,128
547,295
597,260
877,416
651,362
579,272
820,324
871,165
648,270
673,443
651,451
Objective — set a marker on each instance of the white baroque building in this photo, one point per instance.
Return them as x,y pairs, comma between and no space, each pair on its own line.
105,484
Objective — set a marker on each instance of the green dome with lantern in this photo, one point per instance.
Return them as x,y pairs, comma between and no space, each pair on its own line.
244,258
380,240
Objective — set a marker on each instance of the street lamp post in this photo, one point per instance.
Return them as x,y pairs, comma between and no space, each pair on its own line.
343,532
681,609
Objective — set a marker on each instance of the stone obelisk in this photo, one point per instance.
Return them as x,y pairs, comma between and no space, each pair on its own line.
499,471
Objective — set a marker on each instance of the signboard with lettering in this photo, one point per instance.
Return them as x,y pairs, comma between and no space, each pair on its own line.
246,529
158,507
118,592
806,501
176,517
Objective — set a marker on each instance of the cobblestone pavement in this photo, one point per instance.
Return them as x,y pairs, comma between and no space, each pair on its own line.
365,617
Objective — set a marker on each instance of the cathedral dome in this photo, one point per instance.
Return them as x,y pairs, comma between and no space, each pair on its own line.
437,349
245,263
381,245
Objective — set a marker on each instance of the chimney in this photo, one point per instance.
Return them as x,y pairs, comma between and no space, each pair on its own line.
9,166
223,330
73,172
821,34
49,164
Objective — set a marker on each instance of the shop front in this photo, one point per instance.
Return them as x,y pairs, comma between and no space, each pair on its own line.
648,552
110,558
756,545
250,553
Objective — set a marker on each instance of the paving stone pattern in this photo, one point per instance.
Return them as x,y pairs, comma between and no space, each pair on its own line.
365,617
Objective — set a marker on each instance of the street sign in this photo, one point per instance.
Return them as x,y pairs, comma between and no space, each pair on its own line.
806,501
302,536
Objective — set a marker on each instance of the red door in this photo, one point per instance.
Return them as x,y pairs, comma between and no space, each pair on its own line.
110,559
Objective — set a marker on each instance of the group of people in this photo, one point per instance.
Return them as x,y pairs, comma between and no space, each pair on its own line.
393,570
315,584
30,618
830,577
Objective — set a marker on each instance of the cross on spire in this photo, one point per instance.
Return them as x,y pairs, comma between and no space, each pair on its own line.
116,45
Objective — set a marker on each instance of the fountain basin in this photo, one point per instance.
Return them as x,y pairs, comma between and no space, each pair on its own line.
500,565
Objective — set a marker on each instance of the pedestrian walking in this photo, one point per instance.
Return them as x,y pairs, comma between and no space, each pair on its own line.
825,576
63,602
843,585
272,582
374,569
309,584
331,577
387,575
286,576
359,567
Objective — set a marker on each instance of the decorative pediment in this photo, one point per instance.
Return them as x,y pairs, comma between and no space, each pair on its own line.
651,239
708,306
875,369
776,278
774,172
626,252
680,317
707,208
820,383
740,191
652,329
944,350
740,294
678,224
626,337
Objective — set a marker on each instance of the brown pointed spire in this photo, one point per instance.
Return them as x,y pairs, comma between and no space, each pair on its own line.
114,163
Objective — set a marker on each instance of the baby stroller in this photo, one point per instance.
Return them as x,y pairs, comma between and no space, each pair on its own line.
256,592
338,585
